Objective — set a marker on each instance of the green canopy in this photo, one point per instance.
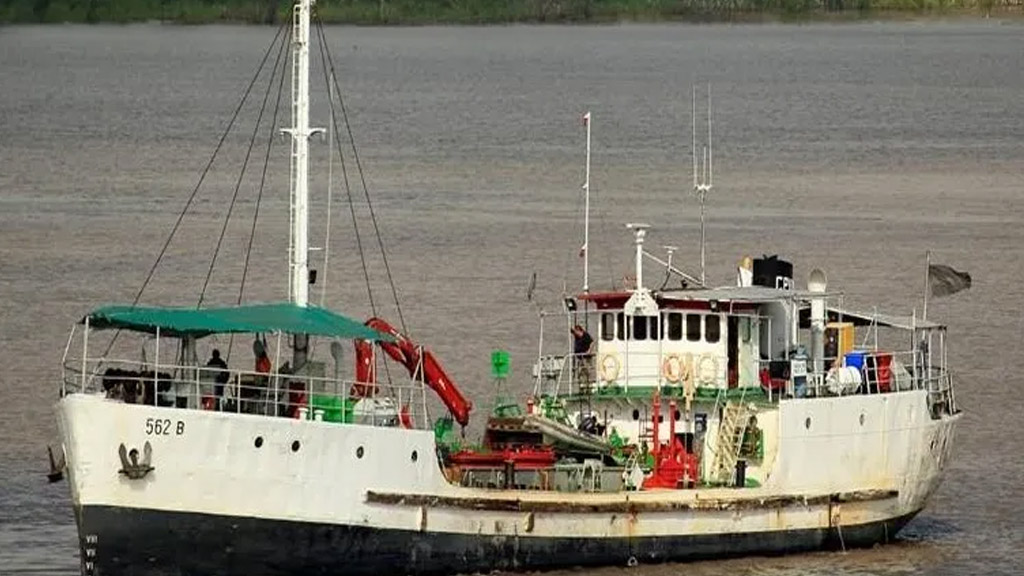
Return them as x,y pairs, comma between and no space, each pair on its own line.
274,317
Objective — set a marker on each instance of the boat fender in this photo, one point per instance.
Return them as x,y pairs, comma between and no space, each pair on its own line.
609,367
707,369
672,368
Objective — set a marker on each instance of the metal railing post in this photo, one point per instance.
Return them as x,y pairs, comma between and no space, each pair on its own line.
85,351
156,369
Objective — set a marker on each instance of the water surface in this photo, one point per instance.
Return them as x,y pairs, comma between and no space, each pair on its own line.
855,148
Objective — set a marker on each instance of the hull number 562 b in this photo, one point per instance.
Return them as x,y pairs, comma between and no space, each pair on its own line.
164,427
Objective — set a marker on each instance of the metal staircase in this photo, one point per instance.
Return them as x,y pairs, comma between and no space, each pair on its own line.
735,416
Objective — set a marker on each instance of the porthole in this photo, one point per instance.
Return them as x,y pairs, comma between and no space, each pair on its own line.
677,415
359,452
661,418
259,441
295,446
636,414
415,456
807,423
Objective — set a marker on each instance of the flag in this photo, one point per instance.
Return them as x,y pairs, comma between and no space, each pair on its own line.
583,250
944,280
586,119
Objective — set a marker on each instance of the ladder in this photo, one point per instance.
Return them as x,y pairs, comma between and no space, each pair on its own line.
731,430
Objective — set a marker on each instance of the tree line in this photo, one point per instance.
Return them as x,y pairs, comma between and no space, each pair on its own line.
475,11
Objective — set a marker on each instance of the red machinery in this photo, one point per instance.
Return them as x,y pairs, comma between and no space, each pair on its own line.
414,358
674,467
524,458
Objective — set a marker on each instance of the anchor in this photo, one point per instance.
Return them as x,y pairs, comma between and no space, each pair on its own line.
130,465
56,467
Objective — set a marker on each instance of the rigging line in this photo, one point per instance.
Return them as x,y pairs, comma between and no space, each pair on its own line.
202,177
328,75
344,174
366,190
259,193
241,175
330,198
578,223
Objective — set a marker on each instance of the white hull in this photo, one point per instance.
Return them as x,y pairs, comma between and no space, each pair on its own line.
844,476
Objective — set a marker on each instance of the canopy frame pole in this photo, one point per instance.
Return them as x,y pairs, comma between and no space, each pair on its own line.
64,363
277,373
156,368
85,351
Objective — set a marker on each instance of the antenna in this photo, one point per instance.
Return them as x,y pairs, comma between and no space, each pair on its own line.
701,185
585,250
670,250
693,126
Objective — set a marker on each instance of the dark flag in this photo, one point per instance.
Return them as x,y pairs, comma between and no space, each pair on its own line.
943,280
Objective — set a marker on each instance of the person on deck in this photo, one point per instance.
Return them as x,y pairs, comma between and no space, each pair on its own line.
583,353
219,367
259,349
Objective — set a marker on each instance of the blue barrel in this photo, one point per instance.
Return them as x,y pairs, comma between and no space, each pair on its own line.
855,359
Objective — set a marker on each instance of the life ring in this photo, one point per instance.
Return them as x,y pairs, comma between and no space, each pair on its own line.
704,375
672,368
609,367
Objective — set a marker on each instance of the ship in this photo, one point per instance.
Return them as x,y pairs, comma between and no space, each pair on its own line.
696,422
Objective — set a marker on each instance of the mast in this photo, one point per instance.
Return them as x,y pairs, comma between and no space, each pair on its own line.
586,212
701,186
298,253
298,245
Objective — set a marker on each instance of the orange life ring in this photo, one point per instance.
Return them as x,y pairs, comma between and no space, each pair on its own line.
672,368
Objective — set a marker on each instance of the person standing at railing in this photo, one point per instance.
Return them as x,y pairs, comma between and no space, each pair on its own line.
583,354
220,368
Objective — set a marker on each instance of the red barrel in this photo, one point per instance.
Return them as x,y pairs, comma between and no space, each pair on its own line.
883,362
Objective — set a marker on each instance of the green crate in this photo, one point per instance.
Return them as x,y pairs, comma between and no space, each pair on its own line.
336,408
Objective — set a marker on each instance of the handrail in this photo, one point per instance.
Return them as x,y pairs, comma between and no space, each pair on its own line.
247,391
903,367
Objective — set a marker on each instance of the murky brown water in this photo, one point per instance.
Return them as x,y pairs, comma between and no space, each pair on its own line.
855,148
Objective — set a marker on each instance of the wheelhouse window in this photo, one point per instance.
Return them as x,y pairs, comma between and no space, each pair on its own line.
653,328
639,328
712,328
675,326
693,327
620,326
607,326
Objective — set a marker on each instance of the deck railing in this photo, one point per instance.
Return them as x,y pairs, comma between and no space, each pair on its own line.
278,394
878,372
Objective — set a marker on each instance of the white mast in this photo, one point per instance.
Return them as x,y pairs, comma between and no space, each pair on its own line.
298,245
586,212
701,186
298,254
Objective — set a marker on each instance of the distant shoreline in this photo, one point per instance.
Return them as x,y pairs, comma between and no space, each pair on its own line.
499,12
